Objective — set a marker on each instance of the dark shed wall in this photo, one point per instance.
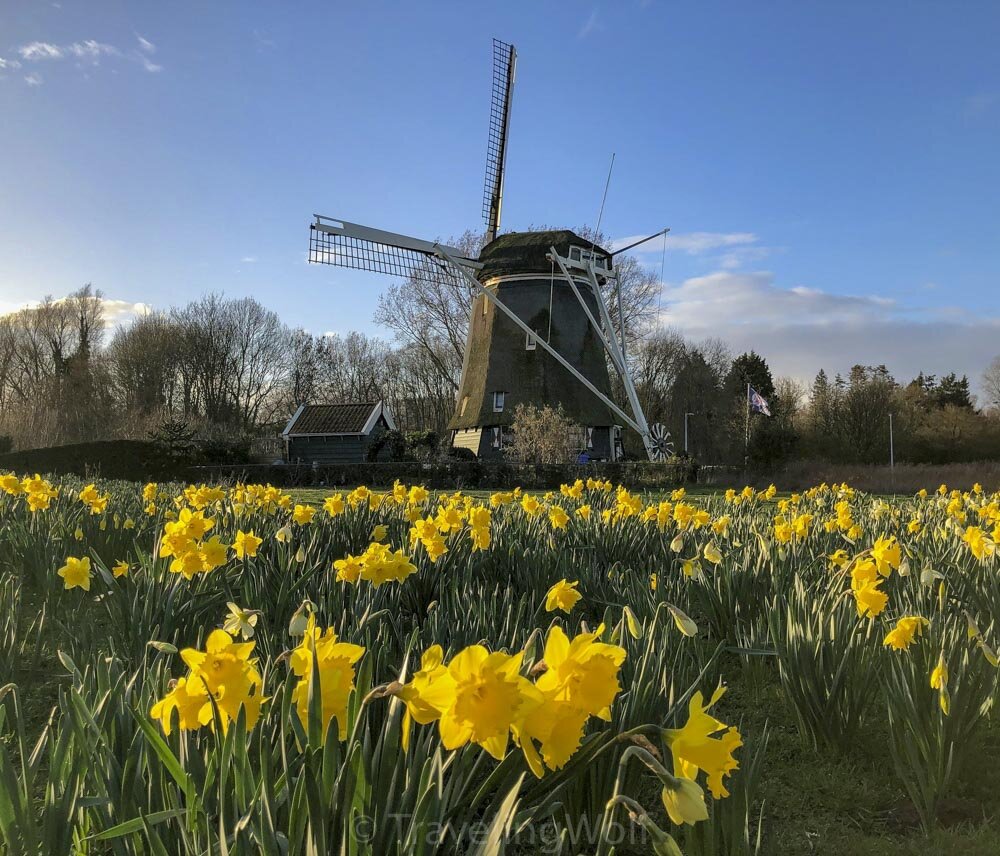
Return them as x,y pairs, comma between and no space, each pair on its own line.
333,449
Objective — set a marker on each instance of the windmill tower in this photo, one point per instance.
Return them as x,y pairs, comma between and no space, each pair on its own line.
540,330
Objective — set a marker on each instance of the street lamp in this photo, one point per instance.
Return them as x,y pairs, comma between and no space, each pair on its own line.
686,415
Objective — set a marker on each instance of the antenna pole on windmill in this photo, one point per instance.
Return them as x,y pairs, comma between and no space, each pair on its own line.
504,62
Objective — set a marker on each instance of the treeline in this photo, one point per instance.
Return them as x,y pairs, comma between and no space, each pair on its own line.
843,419
228,367
232,371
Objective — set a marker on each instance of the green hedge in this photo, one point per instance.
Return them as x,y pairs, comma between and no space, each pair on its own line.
455,474
131,460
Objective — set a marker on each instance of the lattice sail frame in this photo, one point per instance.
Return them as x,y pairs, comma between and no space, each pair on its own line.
504,64
350,245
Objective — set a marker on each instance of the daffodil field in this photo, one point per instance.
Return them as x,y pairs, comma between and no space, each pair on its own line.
232,670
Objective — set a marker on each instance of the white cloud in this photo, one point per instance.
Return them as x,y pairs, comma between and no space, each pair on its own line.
116,312
249,260
35,51
10,64
588,26
88,51
33,79
91,50
800,330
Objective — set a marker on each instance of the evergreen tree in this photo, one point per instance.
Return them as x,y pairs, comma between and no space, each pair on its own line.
750,368
954,391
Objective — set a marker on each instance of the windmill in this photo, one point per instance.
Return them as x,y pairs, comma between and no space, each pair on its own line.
540,329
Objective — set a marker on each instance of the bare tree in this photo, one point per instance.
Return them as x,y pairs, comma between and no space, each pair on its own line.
991,383
257,359
302,374
143,359
718,355
655,363
432,312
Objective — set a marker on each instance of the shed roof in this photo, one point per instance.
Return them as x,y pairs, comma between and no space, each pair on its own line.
524,252
350,418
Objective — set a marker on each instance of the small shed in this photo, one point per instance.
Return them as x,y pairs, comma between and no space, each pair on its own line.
320,434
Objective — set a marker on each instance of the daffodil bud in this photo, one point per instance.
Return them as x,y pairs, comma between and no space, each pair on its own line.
684,801
683,622
634,628
300,620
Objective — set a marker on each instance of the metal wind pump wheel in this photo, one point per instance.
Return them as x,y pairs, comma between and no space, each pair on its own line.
661,446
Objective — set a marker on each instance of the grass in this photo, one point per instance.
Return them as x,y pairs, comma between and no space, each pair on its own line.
850,801
852,804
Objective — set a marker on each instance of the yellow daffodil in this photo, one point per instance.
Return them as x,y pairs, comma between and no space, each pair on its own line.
558,517
901,636
712,553
303,514
887,555
246,544
335,663
76,573
478,699
696,747
563,595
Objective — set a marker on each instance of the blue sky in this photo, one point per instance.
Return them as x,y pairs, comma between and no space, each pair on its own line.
829,170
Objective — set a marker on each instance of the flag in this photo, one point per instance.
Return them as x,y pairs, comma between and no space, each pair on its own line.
758,404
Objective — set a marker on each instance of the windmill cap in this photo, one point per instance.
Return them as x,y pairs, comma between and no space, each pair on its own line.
525,252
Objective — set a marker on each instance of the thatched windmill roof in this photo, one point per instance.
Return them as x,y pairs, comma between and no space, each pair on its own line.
524,252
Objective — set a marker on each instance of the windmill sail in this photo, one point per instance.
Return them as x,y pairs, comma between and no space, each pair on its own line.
350,245
504,60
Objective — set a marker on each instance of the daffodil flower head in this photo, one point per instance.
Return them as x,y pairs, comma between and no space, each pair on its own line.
704,743
563,595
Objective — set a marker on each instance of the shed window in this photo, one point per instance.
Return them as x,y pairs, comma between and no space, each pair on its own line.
498,398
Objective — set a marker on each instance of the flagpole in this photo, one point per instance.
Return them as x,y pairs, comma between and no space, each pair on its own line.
746,440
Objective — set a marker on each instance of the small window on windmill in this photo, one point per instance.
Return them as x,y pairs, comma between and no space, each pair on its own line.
497,437
590,438
530,341
465,403
581,255
498,398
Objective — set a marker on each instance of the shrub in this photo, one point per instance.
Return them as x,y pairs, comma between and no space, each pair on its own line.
421,445
542,435
388,446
